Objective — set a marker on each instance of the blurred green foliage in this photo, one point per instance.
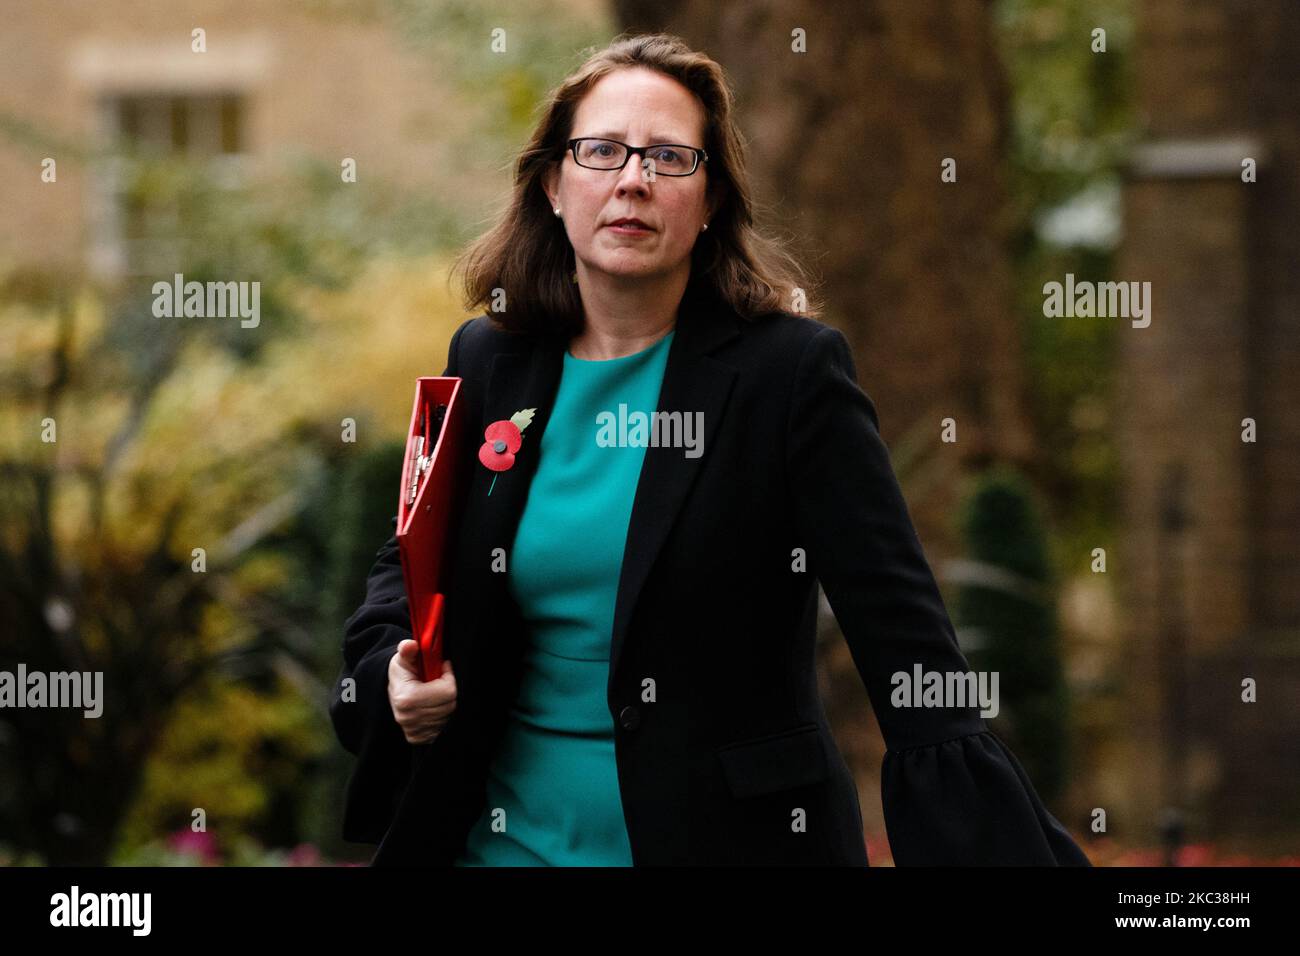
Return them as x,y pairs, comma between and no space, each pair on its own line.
1014,613
1073,119
183,432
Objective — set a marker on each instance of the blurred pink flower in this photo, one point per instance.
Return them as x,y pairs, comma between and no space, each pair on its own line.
1196,854
304,854
198,843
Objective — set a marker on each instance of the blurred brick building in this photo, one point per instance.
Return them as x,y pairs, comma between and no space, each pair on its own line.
276,81
1210,564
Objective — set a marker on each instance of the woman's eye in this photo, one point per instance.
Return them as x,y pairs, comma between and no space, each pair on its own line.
605,146
666,156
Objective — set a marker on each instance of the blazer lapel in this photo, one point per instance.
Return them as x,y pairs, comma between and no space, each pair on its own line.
525,378
693,382
528,376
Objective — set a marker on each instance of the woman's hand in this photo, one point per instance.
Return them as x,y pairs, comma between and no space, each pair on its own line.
420,709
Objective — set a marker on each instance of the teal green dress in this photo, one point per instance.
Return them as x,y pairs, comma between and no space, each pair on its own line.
552,788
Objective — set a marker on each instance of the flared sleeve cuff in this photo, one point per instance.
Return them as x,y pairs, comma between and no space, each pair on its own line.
968,802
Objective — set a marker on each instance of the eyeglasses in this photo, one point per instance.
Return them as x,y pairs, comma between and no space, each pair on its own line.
667,159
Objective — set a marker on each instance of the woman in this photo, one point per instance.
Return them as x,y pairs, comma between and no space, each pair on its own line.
630,629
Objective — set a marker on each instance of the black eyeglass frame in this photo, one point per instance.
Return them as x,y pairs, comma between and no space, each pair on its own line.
572,147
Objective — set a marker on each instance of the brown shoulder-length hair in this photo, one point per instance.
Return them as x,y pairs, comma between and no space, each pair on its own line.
528,256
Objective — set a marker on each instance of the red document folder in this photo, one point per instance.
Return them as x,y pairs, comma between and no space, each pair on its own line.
424,513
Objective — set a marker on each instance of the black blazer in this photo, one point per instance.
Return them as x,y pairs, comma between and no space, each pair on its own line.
722,743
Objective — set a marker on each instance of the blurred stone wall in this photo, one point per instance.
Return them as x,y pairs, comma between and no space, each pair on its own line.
1210,565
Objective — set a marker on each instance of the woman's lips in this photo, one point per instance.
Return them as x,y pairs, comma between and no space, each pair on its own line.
630,229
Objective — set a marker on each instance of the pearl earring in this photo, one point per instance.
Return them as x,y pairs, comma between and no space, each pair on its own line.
557,210
705,226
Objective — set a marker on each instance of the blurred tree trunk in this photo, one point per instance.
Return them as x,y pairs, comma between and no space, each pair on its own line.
846,145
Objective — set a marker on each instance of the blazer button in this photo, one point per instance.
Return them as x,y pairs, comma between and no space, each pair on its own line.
629,717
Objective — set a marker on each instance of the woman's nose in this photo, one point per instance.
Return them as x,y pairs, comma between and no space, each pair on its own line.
632,177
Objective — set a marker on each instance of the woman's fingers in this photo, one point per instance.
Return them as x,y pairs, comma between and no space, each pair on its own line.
421,709
408,653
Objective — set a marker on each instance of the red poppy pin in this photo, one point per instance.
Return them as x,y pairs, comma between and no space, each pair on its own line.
503,441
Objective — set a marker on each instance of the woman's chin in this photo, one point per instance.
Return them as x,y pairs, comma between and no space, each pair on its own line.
629,267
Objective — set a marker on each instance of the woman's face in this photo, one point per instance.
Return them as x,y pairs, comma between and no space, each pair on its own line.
639,107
